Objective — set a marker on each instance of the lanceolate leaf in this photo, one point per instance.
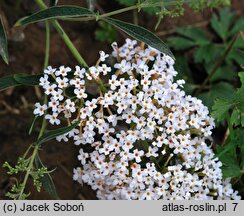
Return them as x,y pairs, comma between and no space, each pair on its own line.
46,180
7,82
57,132
141,34
26,79
32,124
54,13
3,42
18,79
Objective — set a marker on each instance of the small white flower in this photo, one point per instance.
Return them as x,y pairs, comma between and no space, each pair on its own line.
62,83
63,71
53,119
104,69
40,109
152,152
79,72
103,56
49,70
44,80
70,105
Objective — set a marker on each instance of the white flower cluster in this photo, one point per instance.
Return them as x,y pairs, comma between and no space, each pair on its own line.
142,137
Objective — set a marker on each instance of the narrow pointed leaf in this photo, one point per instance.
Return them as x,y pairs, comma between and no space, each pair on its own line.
7,82
46,180
57,132
141,34
17,80
55,12
32,124
26,79
3,42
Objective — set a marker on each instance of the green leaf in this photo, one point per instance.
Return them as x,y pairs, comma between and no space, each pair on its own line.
220,109
227,155
239,26
207,53
235,117
180,43
226,148
241,75
57,132
222,23
26,79
18,79
32,124
240,138
224,73
106,32
198,35
3,42
232,170
221,90
7,82
46,180
55,13
141,34
236,56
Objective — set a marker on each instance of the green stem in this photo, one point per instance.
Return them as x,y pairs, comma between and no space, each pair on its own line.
44,123
46,60
47,47
69,43
217,65
64,36
133,7
28,171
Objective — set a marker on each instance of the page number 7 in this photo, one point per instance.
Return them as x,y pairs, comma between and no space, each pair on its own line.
235,205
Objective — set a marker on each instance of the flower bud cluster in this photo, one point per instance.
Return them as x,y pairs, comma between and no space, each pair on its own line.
141,137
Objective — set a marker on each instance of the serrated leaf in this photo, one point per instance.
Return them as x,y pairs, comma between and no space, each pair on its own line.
239,26
7,82
235,117
221,24
231,171
220,109
228,148
3,42
57,132
180,43
227,155
224,73
239,43
46,180
236,56
207,53
198,35
221,90
55,12
241,75
141,34
26,79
